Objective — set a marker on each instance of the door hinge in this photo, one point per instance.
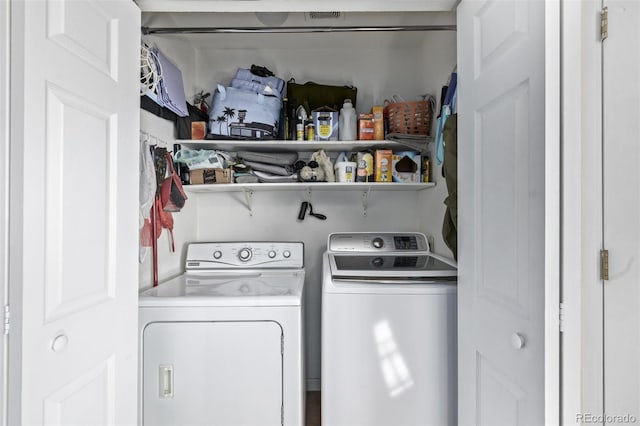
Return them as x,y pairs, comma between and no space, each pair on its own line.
561,317
604,23
7,319
604,265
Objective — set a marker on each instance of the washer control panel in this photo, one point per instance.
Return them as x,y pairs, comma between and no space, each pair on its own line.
378,242
227,255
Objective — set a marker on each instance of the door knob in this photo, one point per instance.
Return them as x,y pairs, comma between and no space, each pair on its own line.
59,342
517,341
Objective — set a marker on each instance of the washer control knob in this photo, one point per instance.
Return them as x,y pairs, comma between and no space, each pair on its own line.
377,242
271,254
286,254
378,262
245,254
217,254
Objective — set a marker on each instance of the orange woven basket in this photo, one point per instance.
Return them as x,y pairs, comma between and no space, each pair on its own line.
413,118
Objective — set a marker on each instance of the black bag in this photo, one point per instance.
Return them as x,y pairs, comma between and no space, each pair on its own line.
313,95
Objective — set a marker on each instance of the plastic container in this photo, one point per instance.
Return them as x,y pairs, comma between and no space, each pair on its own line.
347,130
345,170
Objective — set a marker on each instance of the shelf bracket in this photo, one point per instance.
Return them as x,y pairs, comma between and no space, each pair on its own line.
308,194
248,199
365,201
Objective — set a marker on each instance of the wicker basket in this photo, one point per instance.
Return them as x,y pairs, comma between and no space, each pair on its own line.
413,118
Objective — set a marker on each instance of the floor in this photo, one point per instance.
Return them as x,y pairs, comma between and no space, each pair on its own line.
312,409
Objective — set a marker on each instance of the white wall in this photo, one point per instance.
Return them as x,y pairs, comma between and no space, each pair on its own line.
162,132
169,263
379,65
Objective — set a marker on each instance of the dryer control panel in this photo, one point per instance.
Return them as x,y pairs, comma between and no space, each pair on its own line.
363,242
242,255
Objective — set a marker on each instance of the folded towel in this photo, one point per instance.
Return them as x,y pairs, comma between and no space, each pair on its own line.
271,178
270,168
278,158
246,178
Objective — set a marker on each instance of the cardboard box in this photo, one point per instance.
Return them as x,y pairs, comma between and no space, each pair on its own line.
365,127
326,122
198,130
207,176
378,122
383,165
406,167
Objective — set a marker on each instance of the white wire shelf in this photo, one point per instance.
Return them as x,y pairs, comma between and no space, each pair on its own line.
306,186
302,146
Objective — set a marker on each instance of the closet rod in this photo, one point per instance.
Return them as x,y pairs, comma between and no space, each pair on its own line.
275,30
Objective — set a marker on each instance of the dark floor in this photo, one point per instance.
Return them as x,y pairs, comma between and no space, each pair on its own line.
312,409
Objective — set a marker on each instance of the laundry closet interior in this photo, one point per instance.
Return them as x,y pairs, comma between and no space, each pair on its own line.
406,61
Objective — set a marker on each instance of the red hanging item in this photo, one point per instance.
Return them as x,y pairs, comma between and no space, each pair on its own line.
172,194
169,198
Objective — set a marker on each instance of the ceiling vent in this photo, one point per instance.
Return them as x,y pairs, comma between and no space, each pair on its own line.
314,16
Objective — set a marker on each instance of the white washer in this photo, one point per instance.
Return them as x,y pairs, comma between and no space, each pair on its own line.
388,332
222,344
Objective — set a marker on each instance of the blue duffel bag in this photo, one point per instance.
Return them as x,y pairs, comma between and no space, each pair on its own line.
244,114
268,85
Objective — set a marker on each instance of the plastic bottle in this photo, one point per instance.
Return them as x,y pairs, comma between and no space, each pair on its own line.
348,121
301,118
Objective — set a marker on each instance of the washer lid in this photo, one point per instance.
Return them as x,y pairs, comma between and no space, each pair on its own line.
388,266
258,289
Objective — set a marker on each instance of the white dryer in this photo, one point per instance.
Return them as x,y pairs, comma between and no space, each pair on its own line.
222,344
389,353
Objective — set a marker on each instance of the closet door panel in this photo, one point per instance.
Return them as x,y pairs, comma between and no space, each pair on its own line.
73,282
501,236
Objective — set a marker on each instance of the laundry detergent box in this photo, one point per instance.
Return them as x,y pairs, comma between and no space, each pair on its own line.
326,121
383,158
406,167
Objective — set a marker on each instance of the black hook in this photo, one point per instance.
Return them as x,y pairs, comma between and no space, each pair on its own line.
316,215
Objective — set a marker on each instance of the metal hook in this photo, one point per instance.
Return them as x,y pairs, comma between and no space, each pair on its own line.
248,198
365,201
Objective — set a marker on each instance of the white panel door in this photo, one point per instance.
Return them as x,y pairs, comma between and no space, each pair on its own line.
502,200
212,373
621,174
73,283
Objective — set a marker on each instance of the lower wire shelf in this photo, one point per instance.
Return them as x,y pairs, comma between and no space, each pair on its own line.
305,186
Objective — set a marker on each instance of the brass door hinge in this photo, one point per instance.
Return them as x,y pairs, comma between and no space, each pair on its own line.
604,23
604,264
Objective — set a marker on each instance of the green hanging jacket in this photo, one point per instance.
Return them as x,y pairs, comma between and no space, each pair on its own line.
450,168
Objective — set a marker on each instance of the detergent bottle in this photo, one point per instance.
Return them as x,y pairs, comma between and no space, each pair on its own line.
348,121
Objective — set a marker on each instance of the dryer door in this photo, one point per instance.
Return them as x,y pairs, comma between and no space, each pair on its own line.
223,373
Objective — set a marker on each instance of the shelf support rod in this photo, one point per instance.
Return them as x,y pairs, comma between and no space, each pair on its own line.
248,198
365,201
